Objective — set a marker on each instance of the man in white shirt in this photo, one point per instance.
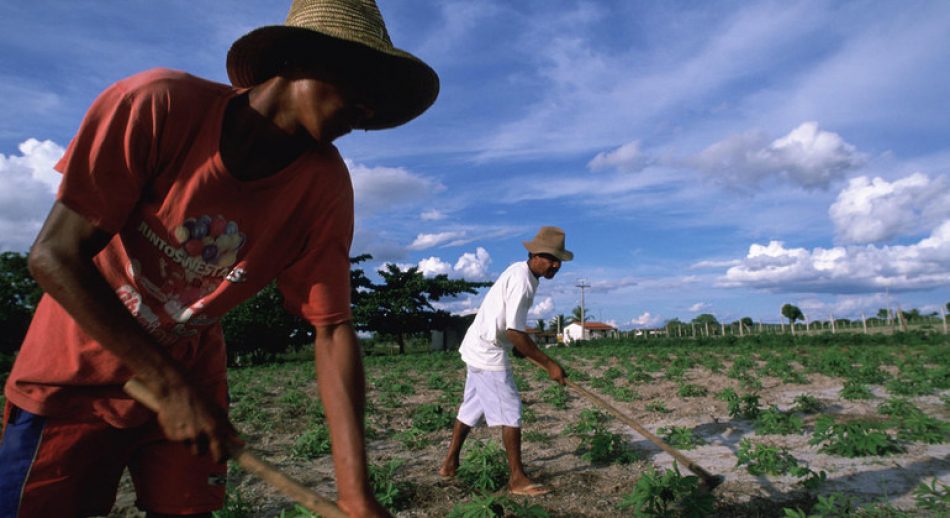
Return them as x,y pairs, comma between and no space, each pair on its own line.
499,326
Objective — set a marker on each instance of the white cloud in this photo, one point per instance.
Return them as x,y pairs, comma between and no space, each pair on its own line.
853,269
474,266
470,266
646,319
28,185
377,189
627,157
699,307
807,157
432,215
542,309
713,263
877,210
432,266
424,241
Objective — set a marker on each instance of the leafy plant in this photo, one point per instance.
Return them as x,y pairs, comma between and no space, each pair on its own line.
588,421
855,390
692,390
853,439
744,407
556,396
919,427
484,466
603,447
932,498
667,495
492,506
774,421
762,459
391,494
412,438
313,443
680,437
657,406
431,417
807,404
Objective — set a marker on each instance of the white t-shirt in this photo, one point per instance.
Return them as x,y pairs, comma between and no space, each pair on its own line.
506,305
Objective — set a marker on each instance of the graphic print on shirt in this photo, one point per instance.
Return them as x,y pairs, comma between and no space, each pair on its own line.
190,264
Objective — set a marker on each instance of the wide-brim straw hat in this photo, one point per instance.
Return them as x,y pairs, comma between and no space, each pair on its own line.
351,37
549,240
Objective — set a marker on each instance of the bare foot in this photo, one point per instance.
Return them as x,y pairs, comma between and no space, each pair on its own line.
448,470
531,489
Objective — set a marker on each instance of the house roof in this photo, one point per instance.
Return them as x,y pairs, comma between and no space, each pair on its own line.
596,326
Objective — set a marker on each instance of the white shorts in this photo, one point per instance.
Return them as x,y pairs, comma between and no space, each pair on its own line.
492,395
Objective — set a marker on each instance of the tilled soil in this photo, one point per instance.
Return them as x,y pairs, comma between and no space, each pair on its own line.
585,490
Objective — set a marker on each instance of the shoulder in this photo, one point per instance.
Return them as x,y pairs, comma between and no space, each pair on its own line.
167,85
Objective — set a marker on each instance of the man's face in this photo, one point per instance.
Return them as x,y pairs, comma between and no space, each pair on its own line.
545,265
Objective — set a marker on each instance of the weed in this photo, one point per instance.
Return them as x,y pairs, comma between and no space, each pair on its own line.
412,438
807,404
933,498
484,467
235,506
657,406
668,494
744,407
774,421
638,375
536,436
624,394
853,439
727,394
431,417
674,373
556,396
898,407
603,447
762,459
313,443
391,494
854,390
491,506
919,427
680,437
588,421
692,390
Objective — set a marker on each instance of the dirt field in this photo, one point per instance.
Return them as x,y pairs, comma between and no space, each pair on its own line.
552,456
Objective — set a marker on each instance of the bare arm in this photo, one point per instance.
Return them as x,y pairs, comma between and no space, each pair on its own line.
61,262
342,386
526,346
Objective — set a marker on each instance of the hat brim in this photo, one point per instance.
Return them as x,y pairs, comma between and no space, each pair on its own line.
399,85
564,255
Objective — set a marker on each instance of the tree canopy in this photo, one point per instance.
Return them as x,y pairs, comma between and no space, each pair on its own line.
402,304
19,295
706,318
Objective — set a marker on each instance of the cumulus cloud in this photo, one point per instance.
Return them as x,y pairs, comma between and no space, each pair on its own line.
647,319
470,266
807,157
627,157
846,269
28,186
870,210
699,307
542,309
376,189
424,241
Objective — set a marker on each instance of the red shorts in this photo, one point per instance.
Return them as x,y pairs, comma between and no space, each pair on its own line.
59,467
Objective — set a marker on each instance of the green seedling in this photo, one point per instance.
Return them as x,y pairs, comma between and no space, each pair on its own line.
807,404
393,495
431,417
484,466
313,443
774,421
680,437
692,390
853,390
603,447
667,495
933,498
762,459
556,396
853,439
658,407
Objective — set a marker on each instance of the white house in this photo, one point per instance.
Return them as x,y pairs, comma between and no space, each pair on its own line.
591,331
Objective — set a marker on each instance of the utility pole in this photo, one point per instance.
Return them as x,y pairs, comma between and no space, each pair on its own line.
582,284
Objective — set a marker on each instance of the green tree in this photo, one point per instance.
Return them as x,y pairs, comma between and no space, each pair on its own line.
260,328
792,313
19,295
747,322
576,315
360,287
540,325
401,305
706,318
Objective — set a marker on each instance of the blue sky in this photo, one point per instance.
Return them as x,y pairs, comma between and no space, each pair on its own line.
702,157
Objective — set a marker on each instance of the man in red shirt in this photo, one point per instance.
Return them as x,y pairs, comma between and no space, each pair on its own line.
181,198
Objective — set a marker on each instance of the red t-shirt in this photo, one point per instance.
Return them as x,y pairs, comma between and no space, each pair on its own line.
190,241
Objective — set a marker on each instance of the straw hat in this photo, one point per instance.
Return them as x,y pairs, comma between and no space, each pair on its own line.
549,240
350,36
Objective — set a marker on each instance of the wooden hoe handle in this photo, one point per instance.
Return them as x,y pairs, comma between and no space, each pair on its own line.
710,479
254,464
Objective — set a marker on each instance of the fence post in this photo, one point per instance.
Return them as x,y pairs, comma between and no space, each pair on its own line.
943,313
832,315
864,323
